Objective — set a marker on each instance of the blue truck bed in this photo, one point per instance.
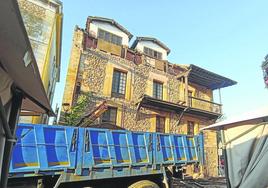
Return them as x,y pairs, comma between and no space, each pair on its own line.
90,154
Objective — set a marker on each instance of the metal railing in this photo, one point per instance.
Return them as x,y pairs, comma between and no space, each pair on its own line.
204,105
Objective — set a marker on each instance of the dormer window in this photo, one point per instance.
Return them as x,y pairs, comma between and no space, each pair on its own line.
109,37
152,53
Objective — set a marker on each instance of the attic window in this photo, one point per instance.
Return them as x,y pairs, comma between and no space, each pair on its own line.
152,53
109,37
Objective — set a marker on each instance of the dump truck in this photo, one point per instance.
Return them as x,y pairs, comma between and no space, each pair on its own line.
62,156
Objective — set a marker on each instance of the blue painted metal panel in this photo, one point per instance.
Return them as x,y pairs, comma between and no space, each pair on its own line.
99,153
199,139
165,148
121,147
140,149
25,154
56,146
191,149
100,147
180,149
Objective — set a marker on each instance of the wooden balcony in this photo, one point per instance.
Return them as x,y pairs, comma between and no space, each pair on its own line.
198,106
204,105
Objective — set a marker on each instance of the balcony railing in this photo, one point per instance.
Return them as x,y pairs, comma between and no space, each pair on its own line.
204,105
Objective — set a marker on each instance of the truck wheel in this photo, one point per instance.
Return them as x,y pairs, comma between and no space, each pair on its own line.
144,184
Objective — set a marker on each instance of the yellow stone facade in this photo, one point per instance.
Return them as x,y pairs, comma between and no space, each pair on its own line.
43,23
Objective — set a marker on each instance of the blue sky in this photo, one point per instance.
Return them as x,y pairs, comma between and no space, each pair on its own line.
227,37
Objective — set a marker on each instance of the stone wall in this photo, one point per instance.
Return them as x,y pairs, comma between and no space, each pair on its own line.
93,69
211,154
77,47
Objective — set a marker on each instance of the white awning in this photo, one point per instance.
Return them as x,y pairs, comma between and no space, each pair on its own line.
245,138
255,114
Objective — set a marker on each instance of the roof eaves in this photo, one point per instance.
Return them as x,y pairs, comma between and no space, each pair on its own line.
113,22
152,40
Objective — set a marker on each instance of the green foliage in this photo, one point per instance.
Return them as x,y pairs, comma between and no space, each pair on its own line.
78,110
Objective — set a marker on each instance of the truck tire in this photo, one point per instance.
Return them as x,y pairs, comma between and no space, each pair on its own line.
144,184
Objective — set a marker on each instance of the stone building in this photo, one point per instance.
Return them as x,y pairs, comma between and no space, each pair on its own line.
143,90
43,23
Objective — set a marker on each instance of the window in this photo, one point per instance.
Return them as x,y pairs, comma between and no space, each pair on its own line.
160,124
119,84
152,53
157,90
109,37
109,116
190,128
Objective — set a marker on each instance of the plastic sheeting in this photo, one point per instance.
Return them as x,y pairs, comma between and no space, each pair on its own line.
247,155
246,143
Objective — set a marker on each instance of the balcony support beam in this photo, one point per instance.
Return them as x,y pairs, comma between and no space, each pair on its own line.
220,99
186,90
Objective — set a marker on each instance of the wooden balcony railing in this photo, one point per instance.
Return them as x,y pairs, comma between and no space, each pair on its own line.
203,104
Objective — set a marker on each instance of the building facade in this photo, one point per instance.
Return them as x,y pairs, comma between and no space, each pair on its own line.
43,23
142,89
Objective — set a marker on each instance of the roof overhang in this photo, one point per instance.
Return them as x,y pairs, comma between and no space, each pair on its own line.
112,22
161,105
151,39
208,79
18,61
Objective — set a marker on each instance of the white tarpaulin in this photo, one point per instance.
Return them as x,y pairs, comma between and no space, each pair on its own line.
247,156
246,145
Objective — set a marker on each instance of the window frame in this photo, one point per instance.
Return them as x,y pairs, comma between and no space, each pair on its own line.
161,128
109,37
190,128
109,116
118,90
152,53
156,89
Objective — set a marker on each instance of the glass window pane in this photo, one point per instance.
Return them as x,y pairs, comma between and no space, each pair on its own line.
155,54
116,80
114,39
151,52
107,36
160,124
146,50
101,34
157,90
119,40
113,112
119,82
190,128
109,116
159,56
